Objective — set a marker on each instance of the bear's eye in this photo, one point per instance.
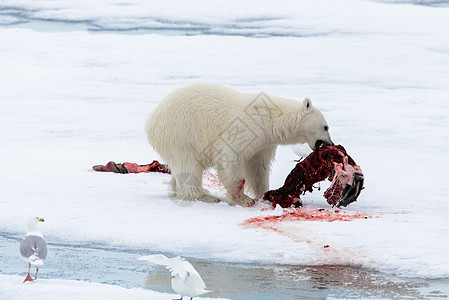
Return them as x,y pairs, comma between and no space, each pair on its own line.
326,128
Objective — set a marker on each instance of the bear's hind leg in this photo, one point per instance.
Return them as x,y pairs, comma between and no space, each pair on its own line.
187,185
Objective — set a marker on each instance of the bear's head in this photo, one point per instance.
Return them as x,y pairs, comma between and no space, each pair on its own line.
314,129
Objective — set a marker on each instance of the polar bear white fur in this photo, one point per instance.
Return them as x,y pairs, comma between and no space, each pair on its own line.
204,125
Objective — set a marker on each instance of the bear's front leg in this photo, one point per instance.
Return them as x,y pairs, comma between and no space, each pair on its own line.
231,176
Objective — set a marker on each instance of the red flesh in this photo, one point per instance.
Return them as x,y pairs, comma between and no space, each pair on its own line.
319,165
128,167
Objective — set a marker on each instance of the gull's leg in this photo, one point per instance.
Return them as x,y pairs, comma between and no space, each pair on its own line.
28,278
37,270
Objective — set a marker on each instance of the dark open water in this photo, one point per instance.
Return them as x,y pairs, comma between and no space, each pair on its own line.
97,263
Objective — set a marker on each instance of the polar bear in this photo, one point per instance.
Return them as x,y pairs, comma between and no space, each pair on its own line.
204,125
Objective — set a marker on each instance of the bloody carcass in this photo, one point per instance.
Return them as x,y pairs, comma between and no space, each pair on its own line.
330,162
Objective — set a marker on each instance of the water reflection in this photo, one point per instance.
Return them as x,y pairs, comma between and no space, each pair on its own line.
234,281
239,281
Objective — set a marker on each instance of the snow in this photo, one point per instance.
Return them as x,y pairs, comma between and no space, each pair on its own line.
12,288
71,99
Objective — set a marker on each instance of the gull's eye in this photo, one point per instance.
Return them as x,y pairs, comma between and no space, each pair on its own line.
326,128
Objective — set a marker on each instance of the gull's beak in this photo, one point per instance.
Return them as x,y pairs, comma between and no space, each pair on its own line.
41,220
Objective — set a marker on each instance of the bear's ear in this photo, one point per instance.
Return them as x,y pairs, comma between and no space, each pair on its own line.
307,106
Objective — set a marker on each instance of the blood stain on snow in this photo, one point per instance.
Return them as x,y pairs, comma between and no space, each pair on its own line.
304,214
325,253
210,180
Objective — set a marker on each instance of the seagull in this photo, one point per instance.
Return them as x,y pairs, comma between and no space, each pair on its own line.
185,279
33,247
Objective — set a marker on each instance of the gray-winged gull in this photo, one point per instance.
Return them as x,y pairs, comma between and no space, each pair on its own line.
185,281
33,247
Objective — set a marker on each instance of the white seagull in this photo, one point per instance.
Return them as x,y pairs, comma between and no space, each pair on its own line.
33,247
185,279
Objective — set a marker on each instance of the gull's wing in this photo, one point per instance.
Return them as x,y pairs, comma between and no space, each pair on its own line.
174,265
193,277
158,259
33,247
